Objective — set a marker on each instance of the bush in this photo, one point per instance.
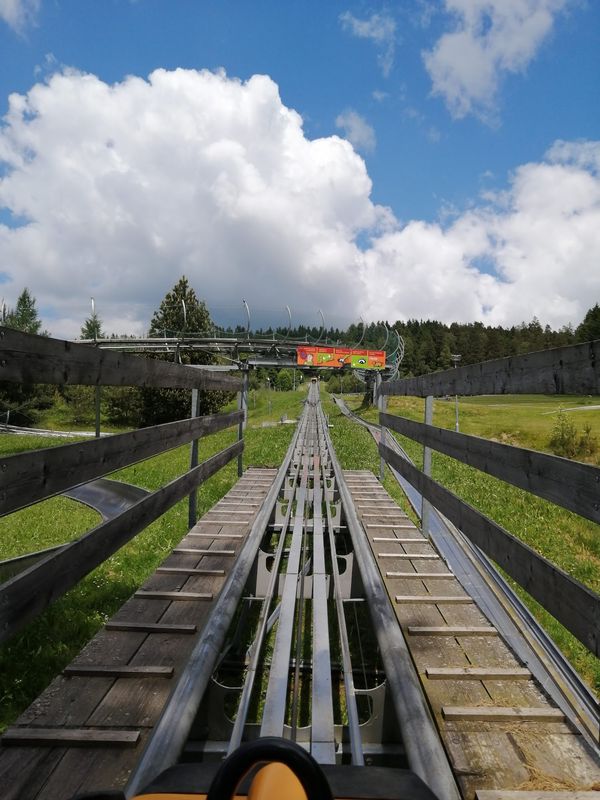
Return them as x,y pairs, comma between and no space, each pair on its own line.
566,442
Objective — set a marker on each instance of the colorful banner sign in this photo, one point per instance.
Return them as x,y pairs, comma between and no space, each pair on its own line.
340,357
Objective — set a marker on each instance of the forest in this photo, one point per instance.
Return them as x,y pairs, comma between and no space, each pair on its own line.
428,346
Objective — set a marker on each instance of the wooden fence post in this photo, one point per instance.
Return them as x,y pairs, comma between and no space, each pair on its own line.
425,505
193,503
243,407
381,406
97,391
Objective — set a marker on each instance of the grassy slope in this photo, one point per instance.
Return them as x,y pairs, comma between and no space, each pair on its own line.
567,540
29,661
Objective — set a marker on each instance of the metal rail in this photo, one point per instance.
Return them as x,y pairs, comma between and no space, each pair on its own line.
297,687
502,606
172,730
424,749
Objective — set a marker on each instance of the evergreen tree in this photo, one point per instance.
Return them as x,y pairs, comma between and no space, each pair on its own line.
92,328
24,316
590,327
25,398
170,319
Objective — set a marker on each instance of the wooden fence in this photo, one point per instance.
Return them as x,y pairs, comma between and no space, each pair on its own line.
569,484
27,478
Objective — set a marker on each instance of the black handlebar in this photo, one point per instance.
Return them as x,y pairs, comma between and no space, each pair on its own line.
267,749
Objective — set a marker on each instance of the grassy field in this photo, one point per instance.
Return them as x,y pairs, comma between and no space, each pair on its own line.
31,659
568,540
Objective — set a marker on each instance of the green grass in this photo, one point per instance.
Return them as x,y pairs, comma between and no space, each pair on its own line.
30,660
569,541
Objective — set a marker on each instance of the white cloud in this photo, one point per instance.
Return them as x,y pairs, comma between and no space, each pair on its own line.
122,188
489,39
357,130
541,236
126,187
380,29
18,14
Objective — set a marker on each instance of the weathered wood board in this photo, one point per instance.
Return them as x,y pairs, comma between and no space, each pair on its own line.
490,699
136,660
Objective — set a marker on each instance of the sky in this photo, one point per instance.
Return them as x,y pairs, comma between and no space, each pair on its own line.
428,159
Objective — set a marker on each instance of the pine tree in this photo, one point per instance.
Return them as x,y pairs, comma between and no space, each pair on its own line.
92,328
590,327
164,405
24,316
172,320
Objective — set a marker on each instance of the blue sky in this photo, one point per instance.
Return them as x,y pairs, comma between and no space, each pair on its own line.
462,114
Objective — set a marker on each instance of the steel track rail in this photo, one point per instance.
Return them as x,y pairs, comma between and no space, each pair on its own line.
168,738
424,749
503,607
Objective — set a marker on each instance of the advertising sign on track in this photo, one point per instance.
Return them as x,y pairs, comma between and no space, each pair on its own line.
340,357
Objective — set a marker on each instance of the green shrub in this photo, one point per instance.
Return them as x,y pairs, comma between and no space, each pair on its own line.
564,436
565,440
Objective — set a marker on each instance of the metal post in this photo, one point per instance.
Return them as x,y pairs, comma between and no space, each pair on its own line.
425,506
97,408
195,411
243,407
455,358
381,404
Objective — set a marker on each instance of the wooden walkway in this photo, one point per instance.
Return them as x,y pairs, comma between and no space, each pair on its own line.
496,723
88,729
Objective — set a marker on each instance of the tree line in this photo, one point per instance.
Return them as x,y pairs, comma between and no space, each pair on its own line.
428,346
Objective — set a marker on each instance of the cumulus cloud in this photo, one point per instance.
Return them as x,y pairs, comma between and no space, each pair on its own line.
489,39
18,14
539,241
117,190
380,29
357,130
123,188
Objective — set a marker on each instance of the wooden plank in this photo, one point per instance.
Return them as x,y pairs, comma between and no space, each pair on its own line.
26,478
173,595
150,627
32,591
190,571
477,673
411,539
26,358
569,601
216,535
415,556
433,599
230,513
70,737
203,551
569,484
387,525
563,370
498,714
452,630
128,671
420,575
